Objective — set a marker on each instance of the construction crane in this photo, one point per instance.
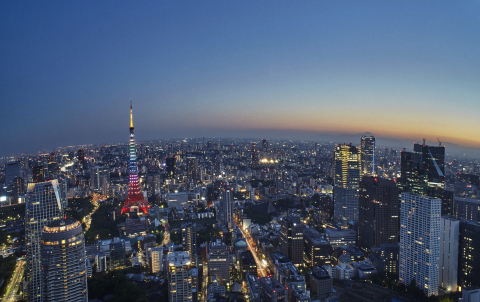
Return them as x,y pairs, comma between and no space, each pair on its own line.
439,142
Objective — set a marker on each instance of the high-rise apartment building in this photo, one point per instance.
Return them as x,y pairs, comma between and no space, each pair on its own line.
347,178
367,148
44,205
469,254
420,241
63,262
291,238
227,206
189,240
179,277
379,212
449,231
218,262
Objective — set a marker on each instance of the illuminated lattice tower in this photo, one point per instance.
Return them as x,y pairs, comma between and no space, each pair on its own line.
134,198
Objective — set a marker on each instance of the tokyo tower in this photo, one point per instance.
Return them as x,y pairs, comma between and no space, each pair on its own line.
134,197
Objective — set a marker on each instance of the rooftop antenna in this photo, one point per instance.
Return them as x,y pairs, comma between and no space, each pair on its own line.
439,142
424,141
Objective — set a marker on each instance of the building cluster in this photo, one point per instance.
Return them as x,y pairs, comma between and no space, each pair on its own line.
269,221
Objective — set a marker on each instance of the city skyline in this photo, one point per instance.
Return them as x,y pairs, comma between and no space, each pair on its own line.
404,70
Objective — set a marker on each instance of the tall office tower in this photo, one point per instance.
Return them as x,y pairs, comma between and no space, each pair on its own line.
171,168
468,178
316,147
270,290
192,168
81,159
12,171
264,145
218,261
44,205
291,238
227,205
37,174
368,155
420,241
179,277
135,198
414,178
431,159
63,262
469,254
347,178
449,230
379,212
189,240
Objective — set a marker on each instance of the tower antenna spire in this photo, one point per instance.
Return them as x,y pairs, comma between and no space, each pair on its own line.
131,115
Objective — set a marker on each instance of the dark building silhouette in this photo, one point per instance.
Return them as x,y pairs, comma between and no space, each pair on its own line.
368,155
291,238
171,167
379,212
469,254
37,174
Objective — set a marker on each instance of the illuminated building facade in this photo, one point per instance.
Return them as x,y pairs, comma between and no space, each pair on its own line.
431,159
420,241
44,205
63,262
368,155
171,167
192,168
135,198
379,212
179,277
291,238
347,178
189,240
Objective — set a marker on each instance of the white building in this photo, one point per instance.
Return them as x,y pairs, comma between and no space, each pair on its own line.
449,230
420,241
179,277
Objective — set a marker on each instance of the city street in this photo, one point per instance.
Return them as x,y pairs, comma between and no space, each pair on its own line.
12,288
260,266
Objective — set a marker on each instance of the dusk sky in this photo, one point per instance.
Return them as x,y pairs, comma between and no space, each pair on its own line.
403,69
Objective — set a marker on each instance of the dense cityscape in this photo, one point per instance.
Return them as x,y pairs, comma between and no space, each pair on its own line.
240,151
204,219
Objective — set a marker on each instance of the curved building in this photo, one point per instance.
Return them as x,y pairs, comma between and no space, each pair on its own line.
63,262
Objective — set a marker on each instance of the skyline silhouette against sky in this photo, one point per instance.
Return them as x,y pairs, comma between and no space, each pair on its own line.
402,69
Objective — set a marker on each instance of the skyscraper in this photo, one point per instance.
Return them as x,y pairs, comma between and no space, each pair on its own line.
368,155
264,145
192,168
179,277
420,241
189,240
431,159
469,254
379,212
12,171
291,238
171,167
63,262
449,231
37,174
135,198
227,205
44,205
347,178
218,261
414,178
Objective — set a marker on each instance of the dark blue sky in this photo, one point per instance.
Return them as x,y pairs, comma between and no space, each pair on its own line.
406,69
